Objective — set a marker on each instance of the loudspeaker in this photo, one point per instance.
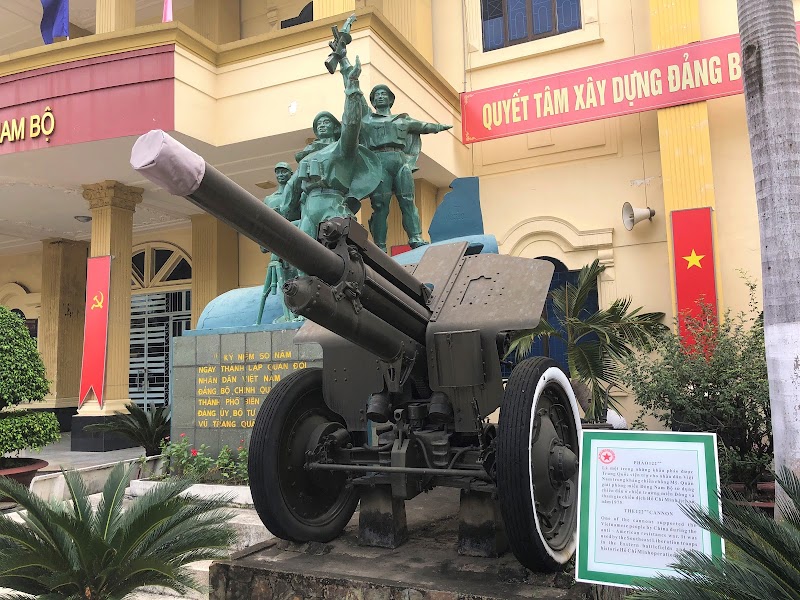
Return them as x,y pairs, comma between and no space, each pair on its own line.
631,216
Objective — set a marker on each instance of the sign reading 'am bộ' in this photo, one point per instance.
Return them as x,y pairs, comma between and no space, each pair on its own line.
632,487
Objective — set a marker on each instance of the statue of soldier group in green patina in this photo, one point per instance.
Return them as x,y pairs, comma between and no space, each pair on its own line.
278,270
396,140
365,155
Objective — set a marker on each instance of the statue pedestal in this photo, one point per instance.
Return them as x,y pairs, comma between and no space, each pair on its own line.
426,567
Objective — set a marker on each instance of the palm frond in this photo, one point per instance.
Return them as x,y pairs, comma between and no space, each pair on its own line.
63,549
147,429
16,596
39,517
522,341
109,508
172,533
587,283
763,565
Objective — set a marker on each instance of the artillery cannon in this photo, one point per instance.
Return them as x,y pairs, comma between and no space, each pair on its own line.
416,352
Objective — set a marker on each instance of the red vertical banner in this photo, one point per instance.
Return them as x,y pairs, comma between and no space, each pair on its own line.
95,329
695,281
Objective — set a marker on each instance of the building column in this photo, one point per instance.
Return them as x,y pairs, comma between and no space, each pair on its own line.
215,261
112,205
683,131
61,324
217,20
115,15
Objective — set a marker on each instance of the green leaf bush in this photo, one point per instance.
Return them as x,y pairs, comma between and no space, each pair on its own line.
22,379
200,466
596,341
27,430
22,376
147,429
71,550
717,384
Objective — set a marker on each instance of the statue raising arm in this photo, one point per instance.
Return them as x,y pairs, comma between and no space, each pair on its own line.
415,126
354,98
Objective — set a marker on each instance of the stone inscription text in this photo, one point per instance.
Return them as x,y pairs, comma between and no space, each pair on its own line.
229,394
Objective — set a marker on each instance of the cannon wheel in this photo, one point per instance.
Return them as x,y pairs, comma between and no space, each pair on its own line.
295,504
537,465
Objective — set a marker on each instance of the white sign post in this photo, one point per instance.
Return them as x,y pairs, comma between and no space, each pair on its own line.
631,488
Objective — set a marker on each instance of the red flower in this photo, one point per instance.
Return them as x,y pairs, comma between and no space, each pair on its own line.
194,451
183,435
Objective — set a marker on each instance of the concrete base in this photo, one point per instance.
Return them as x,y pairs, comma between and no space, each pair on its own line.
427,567
83,441
382,519
480,526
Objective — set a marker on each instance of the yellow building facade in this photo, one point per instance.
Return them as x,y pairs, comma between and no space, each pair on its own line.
240,83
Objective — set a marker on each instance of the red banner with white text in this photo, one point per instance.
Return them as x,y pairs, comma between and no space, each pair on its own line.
95,329
695,282
681,75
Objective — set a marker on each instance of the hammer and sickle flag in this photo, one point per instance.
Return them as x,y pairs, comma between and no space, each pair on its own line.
695,280
95,328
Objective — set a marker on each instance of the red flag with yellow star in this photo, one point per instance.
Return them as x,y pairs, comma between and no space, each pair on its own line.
693,246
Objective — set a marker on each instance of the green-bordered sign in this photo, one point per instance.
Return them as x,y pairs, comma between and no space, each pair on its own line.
632,485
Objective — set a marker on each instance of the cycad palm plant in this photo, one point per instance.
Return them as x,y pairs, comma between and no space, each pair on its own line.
595,341
145,428
763,559
68,550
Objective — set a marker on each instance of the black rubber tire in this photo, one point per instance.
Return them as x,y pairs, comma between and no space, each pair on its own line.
515,467
293,408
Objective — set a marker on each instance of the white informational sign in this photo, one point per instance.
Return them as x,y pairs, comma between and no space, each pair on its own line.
631,488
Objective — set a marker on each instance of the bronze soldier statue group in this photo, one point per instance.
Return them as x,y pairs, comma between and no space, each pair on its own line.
366,155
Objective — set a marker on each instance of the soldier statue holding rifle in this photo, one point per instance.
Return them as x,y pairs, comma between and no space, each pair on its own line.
335,172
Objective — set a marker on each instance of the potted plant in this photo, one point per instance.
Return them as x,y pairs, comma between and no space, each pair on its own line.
717,383
22,379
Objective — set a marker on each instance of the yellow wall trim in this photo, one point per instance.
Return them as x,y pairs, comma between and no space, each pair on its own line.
106,44
226,54
573,238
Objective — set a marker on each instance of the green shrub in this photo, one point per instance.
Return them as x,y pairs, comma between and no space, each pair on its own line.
21,430
147,429
718,384
22,379
22,376
198,465
72,549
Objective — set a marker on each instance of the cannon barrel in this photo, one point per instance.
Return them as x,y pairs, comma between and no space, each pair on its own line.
389,292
